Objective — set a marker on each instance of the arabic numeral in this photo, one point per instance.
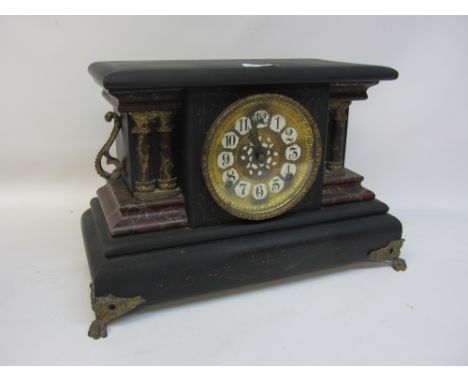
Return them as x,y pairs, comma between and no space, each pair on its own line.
259,192
287,171
243,125
275,186
225,159
242,189
277,123
292,154
231,175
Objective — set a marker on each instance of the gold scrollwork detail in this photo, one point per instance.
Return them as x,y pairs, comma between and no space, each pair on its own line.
167,180
108,308
104,152
392,253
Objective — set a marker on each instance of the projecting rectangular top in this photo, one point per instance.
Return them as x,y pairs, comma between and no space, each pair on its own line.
126,75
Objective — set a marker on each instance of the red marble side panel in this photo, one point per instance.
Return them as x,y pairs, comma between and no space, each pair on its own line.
345,189
126,215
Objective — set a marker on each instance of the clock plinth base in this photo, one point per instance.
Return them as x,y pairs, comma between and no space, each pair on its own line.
183,262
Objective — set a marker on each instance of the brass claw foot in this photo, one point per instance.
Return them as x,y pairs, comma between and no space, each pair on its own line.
108,308
392,253
399,265
98,329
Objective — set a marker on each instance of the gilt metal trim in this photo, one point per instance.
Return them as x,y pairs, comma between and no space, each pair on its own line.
339,108
165,118
143,120
108,308
334,169
391,252
337,125
104,152
166,181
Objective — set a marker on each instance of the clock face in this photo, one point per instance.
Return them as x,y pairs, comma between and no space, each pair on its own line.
261,156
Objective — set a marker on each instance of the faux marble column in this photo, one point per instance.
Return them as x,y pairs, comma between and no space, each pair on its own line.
337,125
166,180
145,182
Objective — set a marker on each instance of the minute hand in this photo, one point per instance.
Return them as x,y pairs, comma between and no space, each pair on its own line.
258,145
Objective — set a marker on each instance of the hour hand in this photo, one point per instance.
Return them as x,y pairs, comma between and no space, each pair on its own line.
258,145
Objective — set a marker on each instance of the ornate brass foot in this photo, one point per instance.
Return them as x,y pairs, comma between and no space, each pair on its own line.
108,308
390,252
399,265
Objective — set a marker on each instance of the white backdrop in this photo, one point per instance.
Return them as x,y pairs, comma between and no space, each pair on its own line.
408,139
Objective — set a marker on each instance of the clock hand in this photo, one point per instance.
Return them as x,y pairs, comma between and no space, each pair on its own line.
259,149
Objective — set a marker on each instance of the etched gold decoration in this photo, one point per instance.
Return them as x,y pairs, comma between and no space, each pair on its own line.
143,119
261,156
166,180
337,125
104,152
108,308
390,253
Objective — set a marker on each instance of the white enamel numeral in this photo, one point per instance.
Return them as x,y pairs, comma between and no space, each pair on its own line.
276,184
289,135
243,125
242,189
230,177
225,159
277,123
230,140
293,153
288,170
260,191
261,118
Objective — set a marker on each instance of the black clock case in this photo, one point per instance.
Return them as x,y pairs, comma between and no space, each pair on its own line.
218,251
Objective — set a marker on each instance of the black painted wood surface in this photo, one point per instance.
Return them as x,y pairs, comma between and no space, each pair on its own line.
186,262
203,105
124,75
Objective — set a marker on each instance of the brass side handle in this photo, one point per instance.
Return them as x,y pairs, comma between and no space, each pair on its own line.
104,152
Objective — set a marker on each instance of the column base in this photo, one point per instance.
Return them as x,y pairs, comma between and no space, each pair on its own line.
167,184
344,189
125,214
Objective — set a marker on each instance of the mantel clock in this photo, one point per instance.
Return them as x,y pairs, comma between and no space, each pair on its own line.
227,173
